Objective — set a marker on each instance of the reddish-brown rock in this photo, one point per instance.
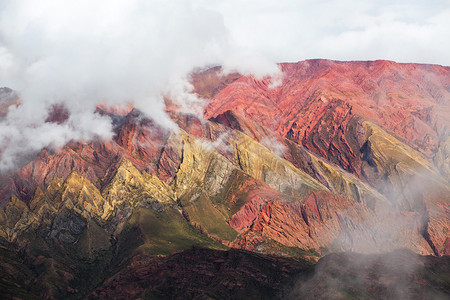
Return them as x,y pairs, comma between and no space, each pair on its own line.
315,120
409,99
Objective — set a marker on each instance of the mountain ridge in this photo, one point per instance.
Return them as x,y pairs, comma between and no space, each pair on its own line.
339,156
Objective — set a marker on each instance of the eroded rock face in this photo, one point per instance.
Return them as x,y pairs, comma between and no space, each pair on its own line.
238,190
330,222
371,119
69,204
318,96
334,159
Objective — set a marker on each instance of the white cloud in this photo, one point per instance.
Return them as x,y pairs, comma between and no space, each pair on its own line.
399,30
85,52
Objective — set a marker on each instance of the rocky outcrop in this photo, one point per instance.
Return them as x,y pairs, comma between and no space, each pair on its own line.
328,112
207,83
69,204
328,174
326,221
408,99
129,186
338,157
261,163
236,189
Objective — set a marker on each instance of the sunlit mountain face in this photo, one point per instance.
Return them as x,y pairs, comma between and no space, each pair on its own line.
329,181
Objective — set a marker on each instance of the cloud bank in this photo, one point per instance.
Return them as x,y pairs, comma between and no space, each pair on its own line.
83,52
401,30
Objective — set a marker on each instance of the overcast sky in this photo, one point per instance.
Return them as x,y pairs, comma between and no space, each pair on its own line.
399,30
88,51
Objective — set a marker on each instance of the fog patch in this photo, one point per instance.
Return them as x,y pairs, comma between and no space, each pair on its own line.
274,145
82,53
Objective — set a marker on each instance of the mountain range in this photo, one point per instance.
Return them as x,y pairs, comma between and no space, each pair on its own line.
330,181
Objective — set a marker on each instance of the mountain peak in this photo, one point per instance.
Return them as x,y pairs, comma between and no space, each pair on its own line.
338,156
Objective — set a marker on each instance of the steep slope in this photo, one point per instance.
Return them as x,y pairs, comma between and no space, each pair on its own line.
409,99
331,108
339,157
330,175
238,192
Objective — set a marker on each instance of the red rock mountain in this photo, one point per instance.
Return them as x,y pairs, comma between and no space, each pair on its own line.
338,156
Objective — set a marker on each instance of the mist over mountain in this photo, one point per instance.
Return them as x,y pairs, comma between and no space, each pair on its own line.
88,52
337,156
182,151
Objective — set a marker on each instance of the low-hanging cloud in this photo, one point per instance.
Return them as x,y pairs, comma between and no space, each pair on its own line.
81,53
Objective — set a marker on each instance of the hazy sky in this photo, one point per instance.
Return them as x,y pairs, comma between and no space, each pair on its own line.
403,31
89,51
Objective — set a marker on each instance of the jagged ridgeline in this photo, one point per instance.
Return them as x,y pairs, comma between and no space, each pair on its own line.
338,157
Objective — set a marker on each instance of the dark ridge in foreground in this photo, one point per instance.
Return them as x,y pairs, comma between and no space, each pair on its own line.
199,273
